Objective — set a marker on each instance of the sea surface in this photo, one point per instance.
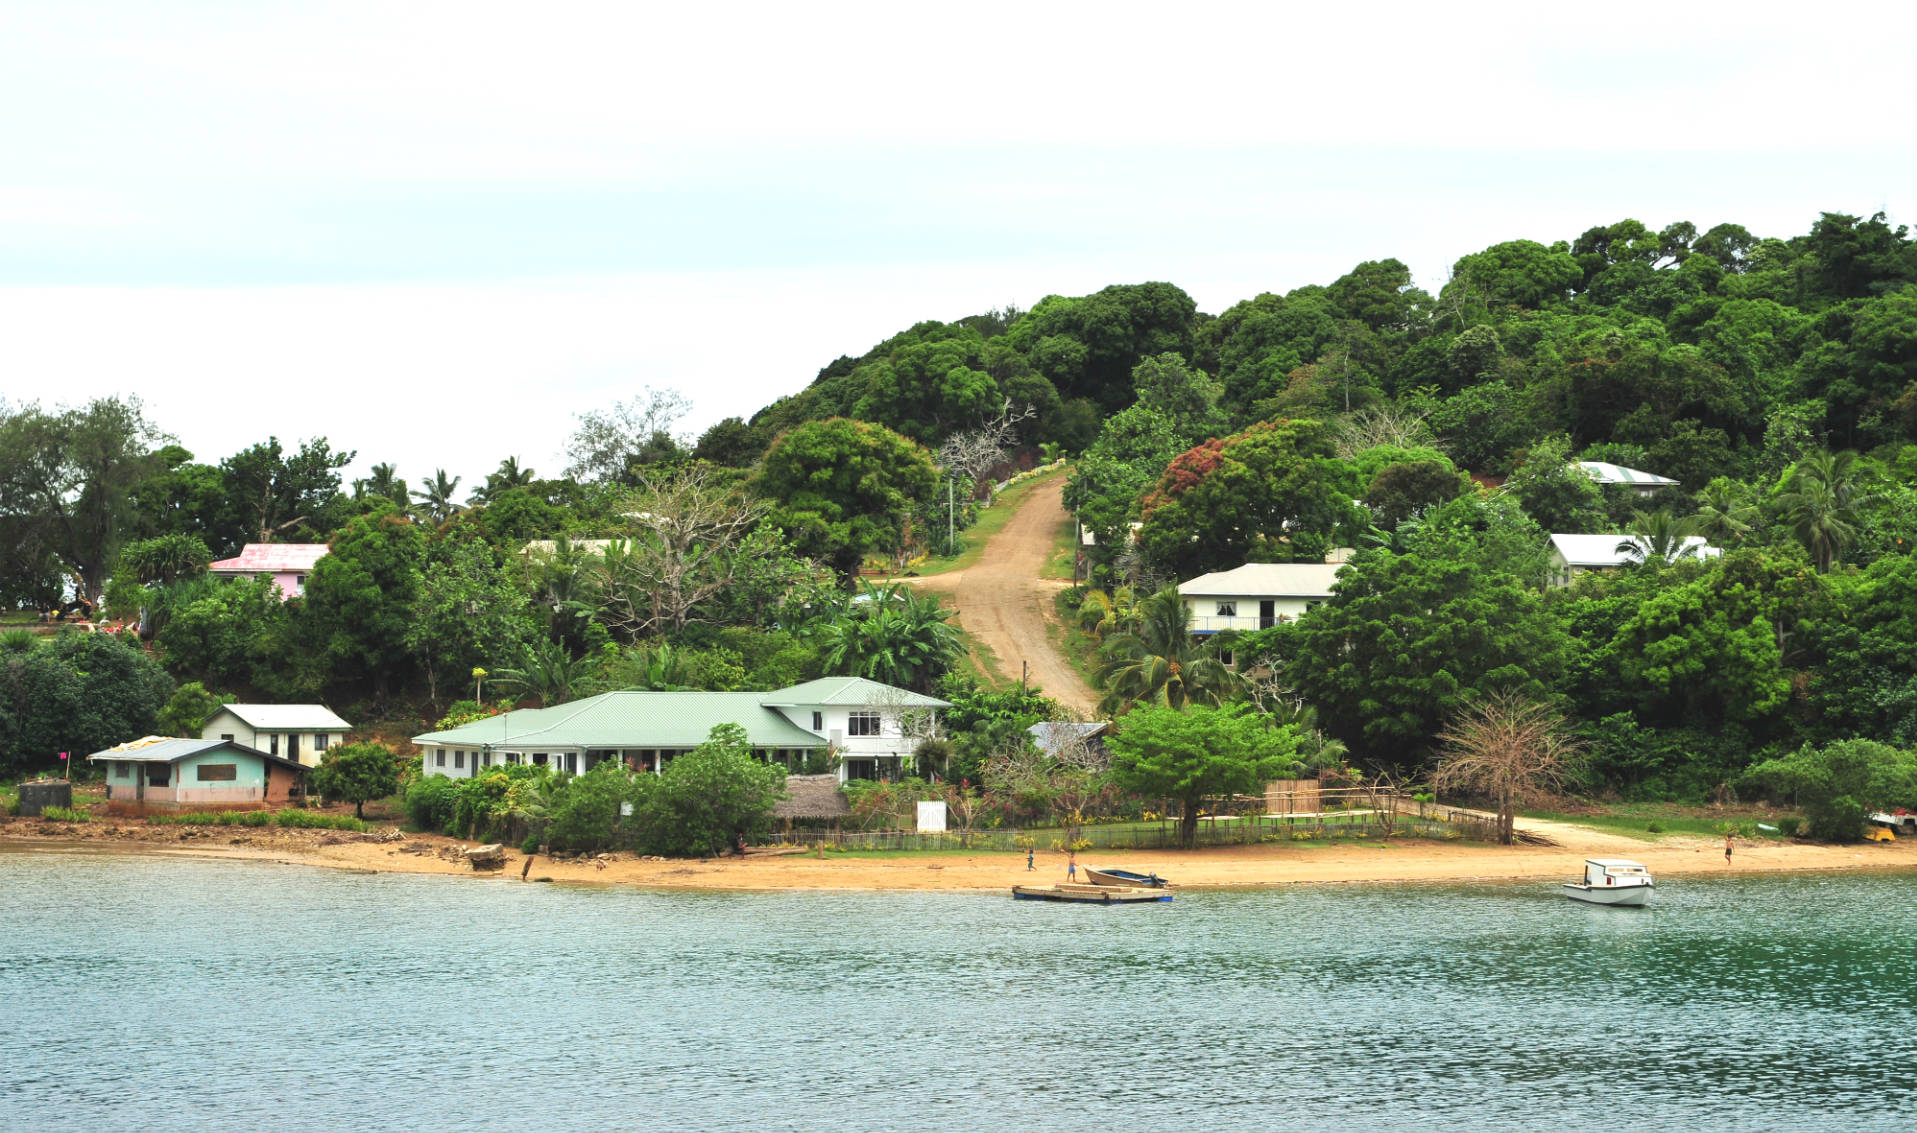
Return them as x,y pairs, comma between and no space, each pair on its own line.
146,993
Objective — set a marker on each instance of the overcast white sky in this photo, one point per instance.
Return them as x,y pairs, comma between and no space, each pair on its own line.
435,232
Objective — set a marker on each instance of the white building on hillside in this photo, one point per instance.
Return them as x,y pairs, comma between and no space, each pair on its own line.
1256,595
1572,555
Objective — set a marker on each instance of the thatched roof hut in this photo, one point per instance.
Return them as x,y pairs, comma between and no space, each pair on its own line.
810,799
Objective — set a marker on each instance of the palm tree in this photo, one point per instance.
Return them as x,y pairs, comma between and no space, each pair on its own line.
1823,502
1103,614
1160,662
1658,537
384,483
1724,512
547,671
435,498
897,636
509,476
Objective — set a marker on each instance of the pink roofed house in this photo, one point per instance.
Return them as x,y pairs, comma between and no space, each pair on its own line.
288,563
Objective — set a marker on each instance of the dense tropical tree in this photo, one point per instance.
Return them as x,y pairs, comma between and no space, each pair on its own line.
709,799
273,496
890,634
67,483
1198,754
845,489
362,597
357,773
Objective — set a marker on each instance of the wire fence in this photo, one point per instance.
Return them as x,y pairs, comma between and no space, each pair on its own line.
1406,818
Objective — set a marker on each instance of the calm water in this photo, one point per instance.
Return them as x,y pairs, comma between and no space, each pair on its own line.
137,993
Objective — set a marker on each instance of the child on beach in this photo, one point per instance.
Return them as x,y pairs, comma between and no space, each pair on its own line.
1727,849
1071,865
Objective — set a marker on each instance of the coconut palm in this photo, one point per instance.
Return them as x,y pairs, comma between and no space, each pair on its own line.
1160,662
435,498
1657,537
1724,512
1823,502
509,476
384,483
1102,614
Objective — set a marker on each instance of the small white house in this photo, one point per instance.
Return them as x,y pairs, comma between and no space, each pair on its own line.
1646,483
873,728
300,733
1257,595
1572,555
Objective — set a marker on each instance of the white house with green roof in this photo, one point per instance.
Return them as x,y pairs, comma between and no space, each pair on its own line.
872,727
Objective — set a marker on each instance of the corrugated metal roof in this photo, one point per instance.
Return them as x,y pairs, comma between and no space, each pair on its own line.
287,717
1605,473
272,558
1054,736
631,720
1276,580
849,690
173,750
1602,550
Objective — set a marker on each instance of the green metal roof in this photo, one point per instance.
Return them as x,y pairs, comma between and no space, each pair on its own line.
855,691
632,720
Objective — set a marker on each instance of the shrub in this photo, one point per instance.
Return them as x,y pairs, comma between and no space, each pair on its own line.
585,808
1833,785
1790,826
430,803
708,797
1654,827
65,814
307,820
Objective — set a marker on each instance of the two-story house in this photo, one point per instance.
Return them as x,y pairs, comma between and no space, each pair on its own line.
297,732
1256,596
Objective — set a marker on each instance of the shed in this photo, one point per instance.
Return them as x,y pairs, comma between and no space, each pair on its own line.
160,772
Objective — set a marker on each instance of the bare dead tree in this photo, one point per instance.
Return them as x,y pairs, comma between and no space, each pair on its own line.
686,527
605,440
1383,424
972,452
1516,750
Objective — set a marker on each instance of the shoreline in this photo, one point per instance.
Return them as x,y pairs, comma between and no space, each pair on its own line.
1258,866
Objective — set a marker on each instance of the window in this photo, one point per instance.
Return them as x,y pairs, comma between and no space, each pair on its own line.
293,746
227,736
319,741
272,743
1228,609
459,761
439,758
818,721
122,769
217,772
157,774
862,724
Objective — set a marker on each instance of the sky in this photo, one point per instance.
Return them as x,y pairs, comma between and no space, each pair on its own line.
435,233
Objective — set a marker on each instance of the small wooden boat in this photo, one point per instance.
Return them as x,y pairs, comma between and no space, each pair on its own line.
1090,894
1612,881
1126,877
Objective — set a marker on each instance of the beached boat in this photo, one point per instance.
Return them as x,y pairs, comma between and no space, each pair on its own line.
1126,877
1612,881
1090,894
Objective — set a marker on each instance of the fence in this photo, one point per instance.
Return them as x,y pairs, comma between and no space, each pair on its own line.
1213,830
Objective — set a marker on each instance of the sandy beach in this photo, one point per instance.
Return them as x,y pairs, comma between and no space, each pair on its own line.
1398,860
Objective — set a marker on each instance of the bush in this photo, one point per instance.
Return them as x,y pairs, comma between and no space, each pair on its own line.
585,808
358,774
65,814
430,803
1835,786
307,820
708,797
1789,827
1654,827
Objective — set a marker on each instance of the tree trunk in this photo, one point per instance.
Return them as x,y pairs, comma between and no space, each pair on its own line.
1188,825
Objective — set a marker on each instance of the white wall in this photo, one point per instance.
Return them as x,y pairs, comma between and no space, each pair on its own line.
1206,619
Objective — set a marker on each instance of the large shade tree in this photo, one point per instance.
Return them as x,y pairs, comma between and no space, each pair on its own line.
845,489
1198,754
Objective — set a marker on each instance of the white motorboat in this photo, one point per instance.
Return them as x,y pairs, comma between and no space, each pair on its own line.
1612,881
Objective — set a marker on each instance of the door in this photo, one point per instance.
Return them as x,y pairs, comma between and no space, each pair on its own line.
293,746
1267,613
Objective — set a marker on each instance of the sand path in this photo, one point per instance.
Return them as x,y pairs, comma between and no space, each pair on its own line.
1005,603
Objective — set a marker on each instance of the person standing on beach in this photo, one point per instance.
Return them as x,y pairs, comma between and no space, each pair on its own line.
1029,867
1727,849
1071,865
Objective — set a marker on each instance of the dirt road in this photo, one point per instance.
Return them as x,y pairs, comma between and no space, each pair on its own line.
1005,603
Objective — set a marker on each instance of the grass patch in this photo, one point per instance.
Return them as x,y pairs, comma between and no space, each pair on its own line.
288,819
1078,648
1649,822
65,814
991,521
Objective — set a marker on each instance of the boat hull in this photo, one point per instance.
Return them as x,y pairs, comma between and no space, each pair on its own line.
1090,894
1622,895
1125,877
